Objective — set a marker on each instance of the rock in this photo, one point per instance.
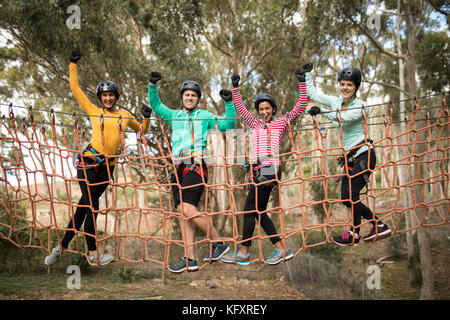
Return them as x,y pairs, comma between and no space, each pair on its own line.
212,284
198,283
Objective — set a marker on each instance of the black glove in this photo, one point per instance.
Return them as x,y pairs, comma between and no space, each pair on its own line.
146,111
235,80
314,110
75,56
226,95
155,77
308,67
300,75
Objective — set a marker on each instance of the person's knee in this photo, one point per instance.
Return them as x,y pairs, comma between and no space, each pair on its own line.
348,202
248,207
355,197
188,210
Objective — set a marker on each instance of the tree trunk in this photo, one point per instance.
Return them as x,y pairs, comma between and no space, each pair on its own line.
427,291
402,170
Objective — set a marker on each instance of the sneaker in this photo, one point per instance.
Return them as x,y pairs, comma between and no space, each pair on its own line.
346,239
278,255
218,250
54,257
240,258
103,260
181,266
378,232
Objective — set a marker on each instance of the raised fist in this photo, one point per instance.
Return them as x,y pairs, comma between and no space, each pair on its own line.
308,67
235,80
155,77
226,95
75,56
300,75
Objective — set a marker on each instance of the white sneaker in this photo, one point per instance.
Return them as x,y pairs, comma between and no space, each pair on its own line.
277,256
54,257
103,260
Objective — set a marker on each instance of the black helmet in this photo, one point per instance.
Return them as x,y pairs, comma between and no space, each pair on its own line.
350,74
106,86
191,85
266,97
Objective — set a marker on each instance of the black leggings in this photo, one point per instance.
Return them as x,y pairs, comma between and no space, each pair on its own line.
251,216
85,213
357,183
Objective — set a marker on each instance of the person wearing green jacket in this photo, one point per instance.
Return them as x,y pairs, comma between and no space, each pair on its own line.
190,127
358,157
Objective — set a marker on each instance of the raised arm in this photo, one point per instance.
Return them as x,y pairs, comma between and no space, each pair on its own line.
82,99
313,94
248,118
227,121
302,97
156,105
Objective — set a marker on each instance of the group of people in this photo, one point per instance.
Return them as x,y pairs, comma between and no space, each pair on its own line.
190,125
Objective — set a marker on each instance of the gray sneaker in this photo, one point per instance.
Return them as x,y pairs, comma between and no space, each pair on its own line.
241,258
54,257
278,255
103,260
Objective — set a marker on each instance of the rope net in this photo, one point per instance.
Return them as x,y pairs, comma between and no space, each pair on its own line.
137,222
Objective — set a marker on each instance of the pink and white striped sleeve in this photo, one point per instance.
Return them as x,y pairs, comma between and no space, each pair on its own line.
301,104
248,118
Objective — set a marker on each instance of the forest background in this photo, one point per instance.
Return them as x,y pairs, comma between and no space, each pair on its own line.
402,48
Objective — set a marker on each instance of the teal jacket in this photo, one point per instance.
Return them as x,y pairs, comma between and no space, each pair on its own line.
201,120
352,120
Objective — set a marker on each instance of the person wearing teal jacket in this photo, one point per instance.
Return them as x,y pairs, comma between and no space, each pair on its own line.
190,127
358,156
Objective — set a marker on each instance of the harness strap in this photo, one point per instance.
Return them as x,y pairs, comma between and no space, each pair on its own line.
351,155
195,168
360,145
89,148
198,169
80,163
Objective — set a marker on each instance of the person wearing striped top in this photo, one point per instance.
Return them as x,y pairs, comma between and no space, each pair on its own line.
266,136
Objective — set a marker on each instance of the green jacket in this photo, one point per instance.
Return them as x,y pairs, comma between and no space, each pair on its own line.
201,120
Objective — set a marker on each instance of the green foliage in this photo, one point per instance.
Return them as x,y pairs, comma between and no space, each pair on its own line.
330,253
127,275
12,214
433,56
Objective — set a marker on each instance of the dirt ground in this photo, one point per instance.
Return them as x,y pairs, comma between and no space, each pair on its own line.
23,279
215,282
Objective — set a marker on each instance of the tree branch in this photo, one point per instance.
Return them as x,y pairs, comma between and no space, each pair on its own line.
435,7
390,85
373,40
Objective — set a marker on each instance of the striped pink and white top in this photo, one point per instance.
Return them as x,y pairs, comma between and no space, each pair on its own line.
273,130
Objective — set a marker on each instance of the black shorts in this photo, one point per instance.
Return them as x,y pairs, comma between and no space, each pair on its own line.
190,195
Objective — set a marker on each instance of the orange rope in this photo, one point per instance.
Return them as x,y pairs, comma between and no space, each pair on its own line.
140,207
